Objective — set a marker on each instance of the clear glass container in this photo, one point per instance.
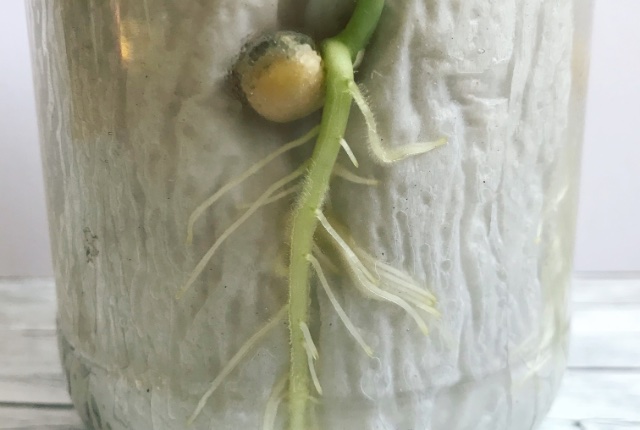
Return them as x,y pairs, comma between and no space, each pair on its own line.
139,125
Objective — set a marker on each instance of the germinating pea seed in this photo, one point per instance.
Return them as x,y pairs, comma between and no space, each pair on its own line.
282,76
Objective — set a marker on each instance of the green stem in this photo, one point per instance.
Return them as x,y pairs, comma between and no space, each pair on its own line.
334,123
338,53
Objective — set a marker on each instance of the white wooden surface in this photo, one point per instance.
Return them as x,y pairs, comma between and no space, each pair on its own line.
600,391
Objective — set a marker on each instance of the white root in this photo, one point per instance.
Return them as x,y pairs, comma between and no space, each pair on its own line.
396,279
351,328
382,154
235,360
323,259
390,282
398,275
246,174
309,340
273,403
398,301
279,196
349,152
312,354
365,281
345,174
254,207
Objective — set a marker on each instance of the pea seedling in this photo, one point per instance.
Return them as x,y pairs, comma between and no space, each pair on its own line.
283,79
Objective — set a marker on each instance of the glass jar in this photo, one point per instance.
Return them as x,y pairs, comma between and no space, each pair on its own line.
140,124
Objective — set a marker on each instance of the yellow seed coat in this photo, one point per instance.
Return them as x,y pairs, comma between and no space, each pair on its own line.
286,83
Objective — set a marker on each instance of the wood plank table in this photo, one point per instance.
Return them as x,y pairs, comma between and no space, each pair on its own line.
600,390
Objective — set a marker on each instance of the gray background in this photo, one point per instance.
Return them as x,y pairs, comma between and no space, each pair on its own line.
608,226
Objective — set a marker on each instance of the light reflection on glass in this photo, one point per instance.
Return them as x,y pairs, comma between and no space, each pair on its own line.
125,45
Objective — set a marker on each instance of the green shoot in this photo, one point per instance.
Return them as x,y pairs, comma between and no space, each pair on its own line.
337,53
